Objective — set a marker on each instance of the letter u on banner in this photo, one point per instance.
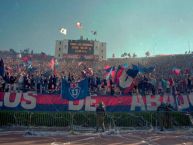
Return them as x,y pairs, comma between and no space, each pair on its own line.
9,103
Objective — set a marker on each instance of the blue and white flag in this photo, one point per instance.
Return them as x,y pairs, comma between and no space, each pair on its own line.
143,69
109,72
75,91
124,78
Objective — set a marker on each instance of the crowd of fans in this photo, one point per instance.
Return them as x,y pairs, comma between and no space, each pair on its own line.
35,74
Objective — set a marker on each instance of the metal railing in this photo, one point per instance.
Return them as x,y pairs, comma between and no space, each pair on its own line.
87,120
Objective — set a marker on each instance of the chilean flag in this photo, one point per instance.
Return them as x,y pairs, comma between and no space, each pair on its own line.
125,78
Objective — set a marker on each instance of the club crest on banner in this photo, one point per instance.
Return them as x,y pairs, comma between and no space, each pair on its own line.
74,90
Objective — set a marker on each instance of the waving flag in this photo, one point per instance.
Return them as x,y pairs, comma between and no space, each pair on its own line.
135,67
75,91
25,59
106,67
125,78
143,69
132,72
29,64
52,63
176,71
63,31
118,73
94,32
110,71
78,25
149,69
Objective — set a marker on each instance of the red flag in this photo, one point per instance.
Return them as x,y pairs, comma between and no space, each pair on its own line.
118,73
113,75
25,59
106,67
78,25
52,64
176,71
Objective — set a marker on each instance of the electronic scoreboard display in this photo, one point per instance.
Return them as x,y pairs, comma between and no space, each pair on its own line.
81,47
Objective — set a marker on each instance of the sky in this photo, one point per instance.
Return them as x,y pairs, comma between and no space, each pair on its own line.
131,26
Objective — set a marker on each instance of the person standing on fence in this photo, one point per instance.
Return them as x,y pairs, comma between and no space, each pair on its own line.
100,117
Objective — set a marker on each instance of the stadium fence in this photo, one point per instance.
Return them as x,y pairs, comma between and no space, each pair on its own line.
87,120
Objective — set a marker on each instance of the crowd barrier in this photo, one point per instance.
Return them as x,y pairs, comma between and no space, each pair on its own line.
87,120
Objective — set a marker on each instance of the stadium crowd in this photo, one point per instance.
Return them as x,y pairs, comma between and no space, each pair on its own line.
34,72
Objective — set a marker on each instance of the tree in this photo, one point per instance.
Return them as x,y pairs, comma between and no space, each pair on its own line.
129,55
32,52
125,54
147,54
12,51
134,55
26,51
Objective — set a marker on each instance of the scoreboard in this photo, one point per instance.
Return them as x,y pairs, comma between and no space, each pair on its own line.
80,47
